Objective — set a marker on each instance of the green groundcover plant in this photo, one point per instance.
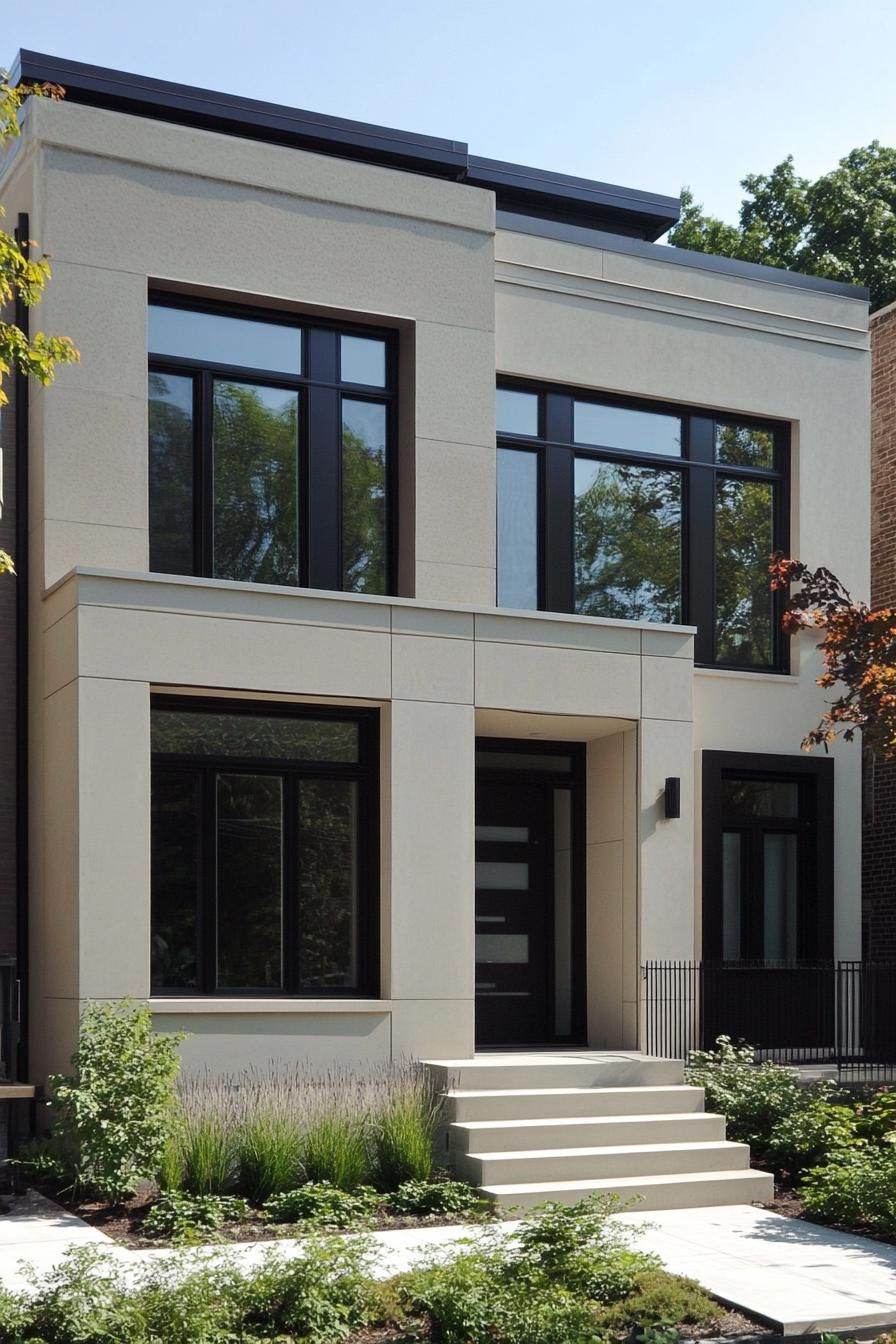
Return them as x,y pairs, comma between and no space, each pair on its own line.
188,1218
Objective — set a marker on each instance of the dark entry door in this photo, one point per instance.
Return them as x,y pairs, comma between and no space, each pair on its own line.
514,909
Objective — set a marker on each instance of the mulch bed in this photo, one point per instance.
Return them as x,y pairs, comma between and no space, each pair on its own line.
789,1202
124,1223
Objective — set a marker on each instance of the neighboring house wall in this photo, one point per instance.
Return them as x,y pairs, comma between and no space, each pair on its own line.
879,855
124,201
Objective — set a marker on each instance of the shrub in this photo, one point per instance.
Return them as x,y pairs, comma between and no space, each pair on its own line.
876,1117
334,1149
425,1198
858,1190
322,1203
577,1246
113,1113
818,1133
753,1097
322,1296
548,1282
473,1298
183,1217
662,1299
403,1132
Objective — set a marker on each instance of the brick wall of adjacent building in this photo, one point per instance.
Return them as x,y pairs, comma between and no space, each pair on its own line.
879,841
8,684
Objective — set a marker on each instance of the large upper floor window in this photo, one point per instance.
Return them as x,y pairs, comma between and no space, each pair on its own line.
643,512
263,849
270,448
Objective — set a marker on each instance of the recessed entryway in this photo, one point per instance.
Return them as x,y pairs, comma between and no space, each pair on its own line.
530,860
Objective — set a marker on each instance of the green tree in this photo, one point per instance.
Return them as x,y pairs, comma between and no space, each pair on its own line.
841,226
24,278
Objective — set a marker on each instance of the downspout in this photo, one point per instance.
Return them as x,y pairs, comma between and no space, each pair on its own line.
20,989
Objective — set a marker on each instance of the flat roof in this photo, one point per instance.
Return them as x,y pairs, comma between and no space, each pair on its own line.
528,200
545,195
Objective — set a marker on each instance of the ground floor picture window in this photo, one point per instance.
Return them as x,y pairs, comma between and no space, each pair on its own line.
264,844
768,858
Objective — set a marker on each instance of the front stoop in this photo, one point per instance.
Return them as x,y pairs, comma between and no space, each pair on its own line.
528,1128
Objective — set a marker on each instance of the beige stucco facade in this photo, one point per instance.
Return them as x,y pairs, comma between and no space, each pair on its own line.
120,202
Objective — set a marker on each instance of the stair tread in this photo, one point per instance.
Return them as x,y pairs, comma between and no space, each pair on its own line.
608,1150
650,1117
750,1176
650,1088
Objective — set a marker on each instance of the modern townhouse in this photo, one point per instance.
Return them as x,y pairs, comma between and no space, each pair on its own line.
401,671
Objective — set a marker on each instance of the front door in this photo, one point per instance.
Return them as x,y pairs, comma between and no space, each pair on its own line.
527,902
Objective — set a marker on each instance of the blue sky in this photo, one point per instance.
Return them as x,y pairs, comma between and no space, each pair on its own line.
651,95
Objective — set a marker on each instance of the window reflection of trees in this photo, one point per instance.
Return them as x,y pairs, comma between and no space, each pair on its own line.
628,542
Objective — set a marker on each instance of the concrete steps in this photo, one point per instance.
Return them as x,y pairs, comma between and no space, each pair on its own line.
562,1126
547,1102
695,1190
597,1131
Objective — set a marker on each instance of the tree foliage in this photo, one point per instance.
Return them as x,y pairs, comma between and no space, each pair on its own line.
23,277
858,646
841,226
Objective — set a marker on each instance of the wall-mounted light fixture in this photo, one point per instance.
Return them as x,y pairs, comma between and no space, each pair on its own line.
672,798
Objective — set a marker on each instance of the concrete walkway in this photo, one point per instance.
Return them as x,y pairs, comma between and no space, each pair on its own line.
798,1277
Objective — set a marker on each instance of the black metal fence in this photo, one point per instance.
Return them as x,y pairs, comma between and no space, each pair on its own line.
840,1014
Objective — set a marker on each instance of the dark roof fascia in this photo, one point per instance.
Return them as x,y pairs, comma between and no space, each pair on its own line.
648,215
544,194
515,222
248,117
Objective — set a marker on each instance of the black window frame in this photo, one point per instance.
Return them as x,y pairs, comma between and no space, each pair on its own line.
557,450
205,768
320,435
815,778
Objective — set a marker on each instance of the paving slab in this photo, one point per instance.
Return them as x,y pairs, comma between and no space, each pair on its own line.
797,1276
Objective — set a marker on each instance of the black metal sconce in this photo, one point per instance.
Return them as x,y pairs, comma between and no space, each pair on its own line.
672,798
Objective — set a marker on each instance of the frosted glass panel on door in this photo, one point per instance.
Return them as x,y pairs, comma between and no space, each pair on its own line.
517,835
779,852
502,876
508,948
563,933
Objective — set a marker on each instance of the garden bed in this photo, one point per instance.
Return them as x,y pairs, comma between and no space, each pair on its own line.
124,1222
789,1202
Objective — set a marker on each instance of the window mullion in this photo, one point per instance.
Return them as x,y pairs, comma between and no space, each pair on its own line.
205,462
700,534
324,457
208,935
559,505
290,878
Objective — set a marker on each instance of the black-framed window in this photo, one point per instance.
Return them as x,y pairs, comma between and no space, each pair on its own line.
768,857
271,447
635,510
264,844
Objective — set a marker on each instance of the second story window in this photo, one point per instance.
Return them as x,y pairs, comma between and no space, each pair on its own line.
642,512
270,448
